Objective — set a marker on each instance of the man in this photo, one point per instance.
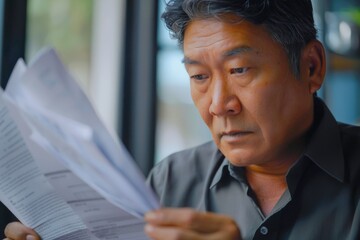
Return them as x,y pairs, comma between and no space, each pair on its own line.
279,166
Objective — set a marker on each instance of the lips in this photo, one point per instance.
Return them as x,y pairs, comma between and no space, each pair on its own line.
234,134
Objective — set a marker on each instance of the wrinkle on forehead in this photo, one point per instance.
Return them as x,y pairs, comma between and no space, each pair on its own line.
215,34
236,51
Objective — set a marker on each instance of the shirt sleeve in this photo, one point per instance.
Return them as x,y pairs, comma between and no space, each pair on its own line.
156,180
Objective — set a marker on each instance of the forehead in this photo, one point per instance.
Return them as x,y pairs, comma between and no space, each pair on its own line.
206,34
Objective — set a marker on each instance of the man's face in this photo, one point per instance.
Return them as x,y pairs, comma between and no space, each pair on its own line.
245,91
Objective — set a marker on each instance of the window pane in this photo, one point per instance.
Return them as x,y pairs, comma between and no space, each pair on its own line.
87,36
65,25
343,77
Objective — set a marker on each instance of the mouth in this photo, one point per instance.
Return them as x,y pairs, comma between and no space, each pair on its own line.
232,136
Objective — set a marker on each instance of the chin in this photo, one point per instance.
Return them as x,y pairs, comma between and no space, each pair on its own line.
242,157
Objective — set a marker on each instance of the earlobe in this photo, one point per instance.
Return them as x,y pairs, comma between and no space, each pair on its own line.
315,64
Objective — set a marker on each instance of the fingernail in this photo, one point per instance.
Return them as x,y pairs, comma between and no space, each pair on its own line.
30,237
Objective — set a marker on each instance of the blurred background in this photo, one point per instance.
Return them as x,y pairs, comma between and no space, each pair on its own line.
123,57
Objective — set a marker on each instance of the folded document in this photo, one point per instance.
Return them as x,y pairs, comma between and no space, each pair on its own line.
61,171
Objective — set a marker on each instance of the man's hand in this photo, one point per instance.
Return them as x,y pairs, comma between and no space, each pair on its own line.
186,223
18,231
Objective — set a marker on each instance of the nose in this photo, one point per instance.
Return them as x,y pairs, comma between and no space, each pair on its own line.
224,101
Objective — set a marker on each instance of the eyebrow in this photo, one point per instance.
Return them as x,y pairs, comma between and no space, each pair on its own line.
230,53
187,60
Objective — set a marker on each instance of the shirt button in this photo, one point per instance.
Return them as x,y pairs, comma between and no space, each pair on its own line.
264,230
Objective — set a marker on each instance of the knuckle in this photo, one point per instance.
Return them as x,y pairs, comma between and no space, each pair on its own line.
232,230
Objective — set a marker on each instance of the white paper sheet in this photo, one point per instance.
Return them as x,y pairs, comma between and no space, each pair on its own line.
75,162
25,190
49,94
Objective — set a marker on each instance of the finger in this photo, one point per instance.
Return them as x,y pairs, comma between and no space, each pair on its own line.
189,219
169,233
18,231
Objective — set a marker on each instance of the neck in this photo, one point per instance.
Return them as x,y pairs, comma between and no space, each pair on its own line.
273,169
267,187
268,182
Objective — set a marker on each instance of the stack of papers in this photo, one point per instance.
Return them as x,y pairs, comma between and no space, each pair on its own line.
61,171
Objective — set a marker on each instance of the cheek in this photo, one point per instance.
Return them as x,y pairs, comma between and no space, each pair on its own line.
202,104
277,110
263,105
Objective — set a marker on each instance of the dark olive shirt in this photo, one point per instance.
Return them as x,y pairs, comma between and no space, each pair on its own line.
321,201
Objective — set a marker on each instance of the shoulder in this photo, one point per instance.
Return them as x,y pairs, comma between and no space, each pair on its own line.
350,139
193,158
349,132
183,173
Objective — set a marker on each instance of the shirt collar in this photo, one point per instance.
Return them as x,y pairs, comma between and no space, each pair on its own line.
227,169
219,173
324,147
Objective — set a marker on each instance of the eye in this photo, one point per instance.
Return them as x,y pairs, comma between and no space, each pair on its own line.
239,70
199,77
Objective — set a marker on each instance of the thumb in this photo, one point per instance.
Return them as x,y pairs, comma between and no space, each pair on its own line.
19,231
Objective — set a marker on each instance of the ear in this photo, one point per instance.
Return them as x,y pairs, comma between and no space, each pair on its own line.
314,65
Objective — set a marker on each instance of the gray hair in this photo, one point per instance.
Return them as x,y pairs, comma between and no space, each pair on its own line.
289,22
